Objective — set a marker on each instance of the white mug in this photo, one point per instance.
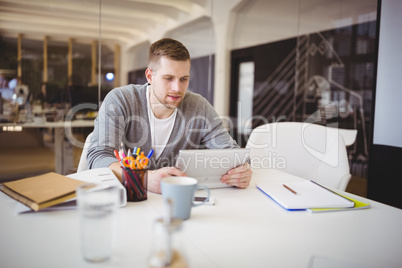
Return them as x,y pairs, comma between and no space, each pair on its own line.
180,190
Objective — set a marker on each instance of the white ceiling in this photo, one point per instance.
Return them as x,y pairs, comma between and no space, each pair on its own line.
122,21
134,22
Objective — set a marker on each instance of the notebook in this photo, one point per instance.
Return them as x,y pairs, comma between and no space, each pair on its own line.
103,176
42,191
358,205
304,195
209,165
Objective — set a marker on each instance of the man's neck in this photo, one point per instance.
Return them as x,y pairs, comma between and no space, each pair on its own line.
159,110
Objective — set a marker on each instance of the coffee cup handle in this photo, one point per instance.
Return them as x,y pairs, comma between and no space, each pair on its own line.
206,199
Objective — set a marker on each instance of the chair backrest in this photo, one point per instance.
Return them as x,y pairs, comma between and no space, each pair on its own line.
83,165
306,150
349,135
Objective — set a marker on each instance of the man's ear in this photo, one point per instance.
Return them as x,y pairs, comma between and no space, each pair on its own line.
148,75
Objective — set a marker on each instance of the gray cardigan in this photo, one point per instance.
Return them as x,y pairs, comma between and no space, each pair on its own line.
123,116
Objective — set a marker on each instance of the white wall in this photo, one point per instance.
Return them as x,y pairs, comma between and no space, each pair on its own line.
265,21
388,100
198,37
134,59
244,23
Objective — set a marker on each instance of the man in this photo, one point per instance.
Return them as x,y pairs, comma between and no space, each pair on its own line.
160,115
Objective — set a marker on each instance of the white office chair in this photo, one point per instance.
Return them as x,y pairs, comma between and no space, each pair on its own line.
306,150
83,164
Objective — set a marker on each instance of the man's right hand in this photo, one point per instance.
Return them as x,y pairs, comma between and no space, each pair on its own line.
116,168
155,176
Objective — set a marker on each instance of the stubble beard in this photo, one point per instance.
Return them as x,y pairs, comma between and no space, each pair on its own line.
162,102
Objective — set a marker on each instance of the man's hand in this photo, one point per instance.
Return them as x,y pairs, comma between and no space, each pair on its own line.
116,168
155,176
239,177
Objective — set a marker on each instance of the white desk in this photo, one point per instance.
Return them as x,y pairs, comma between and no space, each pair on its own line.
244,229
60,130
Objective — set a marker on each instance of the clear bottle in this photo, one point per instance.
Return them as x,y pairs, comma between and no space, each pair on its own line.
167,248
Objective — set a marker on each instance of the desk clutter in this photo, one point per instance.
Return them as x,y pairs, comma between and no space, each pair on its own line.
52,191
14,112
42,191
134,166
247,217
97,204
20,113
309,195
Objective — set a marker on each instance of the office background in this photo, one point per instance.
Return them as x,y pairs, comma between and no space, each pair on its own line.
264,60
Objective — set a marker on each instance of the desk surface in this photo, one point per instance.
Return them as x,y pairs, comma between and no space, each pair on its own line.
244,228
62,128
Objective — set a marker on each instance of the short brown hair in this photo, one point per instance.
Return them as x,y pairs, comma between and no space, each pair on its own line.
169,48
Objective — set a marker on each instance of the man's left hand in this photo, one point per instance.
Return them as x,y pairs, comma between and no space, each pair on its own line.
239,176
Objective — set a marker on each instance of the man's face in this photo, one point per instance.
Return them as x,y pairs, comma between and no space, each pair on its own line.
169,82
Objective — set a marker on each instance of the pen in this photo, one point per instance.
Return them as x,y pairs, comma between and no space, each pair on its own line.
290,189
150,153
116,154
122,147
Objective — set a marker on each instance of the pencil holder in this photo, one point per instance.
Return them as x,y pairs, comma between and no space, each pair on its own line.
136,183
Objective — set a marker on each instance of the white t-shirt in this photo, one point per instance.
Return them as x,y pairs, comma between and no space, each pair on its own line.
161,129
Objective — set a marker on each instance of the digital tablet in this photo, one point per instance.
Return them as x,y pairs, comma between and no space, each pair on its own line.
209,165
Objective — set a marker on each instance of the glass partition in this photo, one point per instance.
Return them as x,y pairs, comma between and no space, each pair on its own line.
316,64
58,64
311,60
